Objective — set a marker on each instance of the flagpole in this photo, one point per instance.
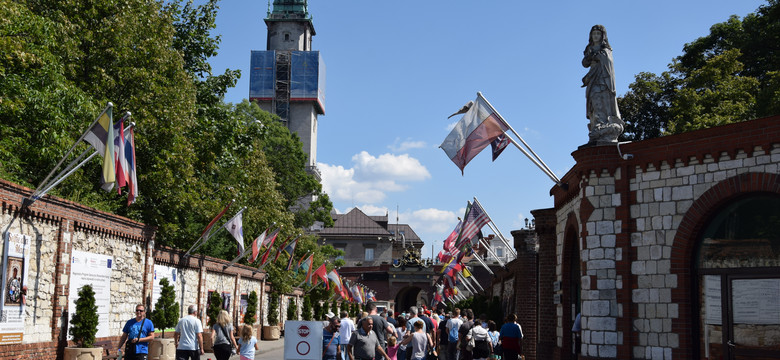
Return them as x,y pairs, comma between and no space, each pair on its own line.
466,284
487,247
540,163
511,249
207,232
476,256
500,236
67,171
84,134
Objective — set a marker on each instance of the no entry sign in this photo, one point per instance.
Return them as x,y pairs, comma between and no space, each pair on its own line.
303,340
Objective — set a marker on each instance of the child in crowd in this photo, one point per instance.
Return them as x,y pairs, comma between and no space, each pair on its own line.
392,348
247,343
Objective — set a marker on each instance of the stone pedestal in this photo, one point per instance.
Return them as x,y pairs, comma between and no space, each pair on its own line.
83,353
162,349
271,333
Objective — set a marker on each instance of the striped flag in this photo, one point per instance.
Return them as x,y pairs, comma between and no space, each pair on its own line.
449,241
475,220
132,179
257,245
474,132
101,137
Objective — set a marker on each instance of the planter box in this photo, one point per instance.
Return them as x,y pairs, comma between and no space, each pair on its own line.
83,353
162,349
271,333
207,345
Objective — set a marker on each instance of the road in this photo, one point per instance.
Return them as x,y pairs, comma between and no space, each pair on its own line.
269,350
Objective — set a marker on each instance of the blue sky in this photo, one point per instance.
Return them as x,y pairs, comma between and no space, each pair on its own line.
397,69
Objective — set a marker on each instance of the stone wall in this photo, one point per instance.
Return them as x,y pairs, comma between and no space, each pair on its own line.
58,227
637,222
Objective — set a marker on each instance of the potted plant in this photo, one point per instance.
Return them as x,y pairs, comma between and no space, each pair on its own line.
306,313
292,310
83,327
164,316
213,309
272,331
250,316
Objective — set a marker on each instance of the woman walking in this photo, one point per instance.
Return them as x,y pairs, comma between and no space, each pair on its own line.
222,337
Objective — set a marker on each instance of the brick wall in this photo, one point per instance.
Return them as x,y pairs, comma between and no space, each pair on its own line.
58,227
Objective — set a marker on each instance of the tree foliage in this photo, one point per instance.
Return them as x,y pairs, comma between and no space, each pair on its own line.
292,309
166,311
306,310
250,316
273,309
214,307
730,75
83,324
63,60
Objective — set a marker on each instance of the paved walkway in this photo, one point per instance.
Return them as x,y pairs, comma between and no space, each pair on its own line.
265,347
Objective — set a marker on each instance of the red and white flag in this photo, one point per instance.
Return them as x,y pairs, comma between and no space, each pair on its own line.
475,131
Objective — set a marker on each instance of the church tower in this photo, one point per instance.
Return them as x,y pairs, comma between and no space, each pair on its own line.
288,78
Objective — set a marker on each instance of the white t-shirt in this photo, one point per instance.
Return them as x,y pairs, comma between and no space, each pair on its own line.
188,329
347,327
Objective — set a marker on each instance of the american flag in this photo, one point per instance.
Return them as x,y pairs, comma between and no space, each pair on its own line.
475,220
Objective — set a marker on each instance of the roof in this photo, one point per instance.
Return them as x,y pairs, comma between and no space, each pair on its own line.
409,234
355,223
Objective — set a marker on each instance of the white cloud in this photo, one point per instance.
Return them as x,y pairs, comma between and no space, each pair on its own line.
371,177
451,126
371,210
430,220
388,166
408,144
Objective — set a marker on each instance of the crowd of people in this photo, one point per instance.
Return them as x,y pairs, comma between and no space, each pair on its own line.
420,334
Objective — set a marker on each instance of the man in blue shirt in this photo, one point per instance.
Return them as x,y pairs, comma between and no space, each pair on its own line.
511,338
331,343
138,332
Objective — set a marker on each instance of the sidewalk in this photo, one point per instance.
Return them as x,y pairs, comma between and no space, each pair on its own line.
265,346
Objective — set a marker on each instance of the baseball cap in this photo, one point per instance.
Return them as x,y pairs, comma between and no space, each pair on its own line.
330,315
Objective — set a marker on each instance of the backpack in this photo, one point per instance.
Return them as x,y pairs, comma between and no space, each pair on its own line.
453,334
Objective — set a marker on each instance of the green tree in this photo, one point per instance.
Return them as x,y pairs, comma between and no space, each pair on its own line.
166,310
292,310
729,75
306,310
83,325
334,307
214,307
317,307
250,316
273,309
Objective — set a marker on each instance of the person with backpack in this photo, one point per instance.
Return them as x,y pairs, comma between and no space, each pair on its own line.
511,338
453,325
478,340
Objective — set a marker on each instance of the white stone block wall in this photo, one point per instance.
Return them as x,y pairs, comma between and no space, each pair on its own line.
189,289
562,215
663,197
40,282
126,278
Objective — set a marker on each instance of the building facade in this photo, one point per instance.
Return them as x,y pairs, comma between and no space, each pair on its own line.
672,252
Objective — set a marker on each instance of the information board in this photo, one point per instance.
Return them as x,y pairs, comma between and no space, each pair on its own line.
93,269
14,281
303,340
756,301
164,272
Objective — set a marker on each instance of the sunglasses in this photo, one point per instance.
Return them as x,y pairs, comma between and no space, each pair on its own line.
136,310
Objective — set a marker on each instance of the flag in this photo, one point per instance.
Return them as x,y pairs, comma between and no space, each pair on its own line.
101,137
466,273
333,275
371,296
321,273
267,251
207,231
290,250
120,161
498,145
448,242
269,240
475,220
235,227
257,245
356,294
132,179
307,265
282,247
476,129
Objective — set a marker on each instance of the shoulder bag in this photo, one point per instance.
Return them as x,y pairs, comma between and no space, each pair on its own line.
227,337
130,346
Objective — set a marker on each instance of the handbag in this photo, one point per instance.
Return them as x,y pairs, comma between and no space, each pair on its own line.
224,333
471,344
130,346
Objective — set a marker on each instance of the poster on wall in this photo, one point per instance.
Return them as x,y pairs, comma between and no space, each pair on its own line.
244,304
164,272
713,313
14,285
93,269
756,301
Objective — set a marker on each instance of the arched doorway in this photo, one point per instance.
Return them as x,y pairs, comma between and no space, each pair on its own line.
407,297
737,280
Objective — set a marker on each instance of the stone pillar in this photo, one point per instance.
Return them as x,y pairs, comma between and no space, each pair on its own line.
61,282
526,288
546,261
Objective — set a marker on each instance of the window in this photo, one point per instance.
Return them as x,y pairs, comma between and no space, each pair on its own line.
342,249
369,254
286,37
500,252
